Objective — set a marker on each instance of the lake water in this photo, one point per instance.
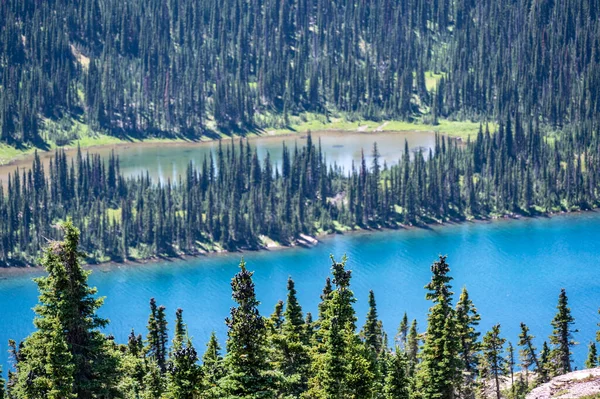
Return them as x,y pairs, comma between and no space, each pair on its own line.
169,160
514,271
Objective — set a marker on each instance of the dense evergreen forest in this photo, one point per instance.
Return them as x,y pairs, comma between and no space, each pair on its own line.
236,201
288,354
179,67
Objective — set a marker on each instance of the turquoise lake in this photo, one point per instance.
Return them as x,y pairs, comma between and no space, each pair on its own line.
514,271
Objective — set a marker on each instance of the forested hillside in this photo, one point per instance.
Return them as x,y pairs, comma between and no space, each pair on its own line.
289,354
179,67
238,201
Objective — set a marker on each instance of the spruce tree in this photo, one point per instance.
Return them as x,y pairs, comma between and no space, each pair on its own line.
156,346
402,333
2,385
396,384
247,370
528,355
412,348
67,356
562,336
212,368
294,353
467,320
183,372
372,332
438,373
493,364
592,359
545,362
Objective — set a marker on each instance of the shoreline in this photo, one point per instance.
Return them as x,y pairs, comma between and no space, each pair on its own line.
26,158
7,273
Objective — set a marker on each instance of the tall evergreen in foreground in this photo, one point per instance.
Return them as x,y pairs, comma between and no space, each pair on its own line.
467,320
494,365
562,336
528,355
247,369
67,356
438,372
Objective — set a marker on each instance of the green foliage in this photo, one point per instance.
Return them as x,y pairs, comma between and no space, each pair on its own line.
284,356
528,355
562,336
467,320
247,369
212,368
234,200
493,364
397,383
156,340
592,359
438,372
67,356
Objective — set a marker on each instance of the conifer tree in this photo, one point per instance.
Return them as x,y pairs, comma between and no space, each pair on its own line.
153,384
67,356
437,375
180,330
545,362
157,337
562,336
183,372
510,364
528,355
592,359
493,364
467,320
247,371
212,368
412,348
402,333
372,332
294,355
396,384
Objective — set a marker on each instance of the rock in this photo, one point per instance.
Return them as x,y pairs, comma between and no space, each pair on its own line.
581,383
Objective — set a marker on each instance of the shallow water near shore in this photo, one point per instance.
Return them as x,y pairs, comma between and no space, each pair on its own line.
513,270
168,161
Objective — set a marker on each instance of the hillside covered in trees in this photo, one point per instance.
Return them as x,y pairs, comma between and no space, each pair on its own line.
288,354
236,201
188,68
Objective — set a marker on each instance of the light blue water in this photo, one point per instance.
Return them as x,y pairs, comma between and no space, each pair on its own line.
514,271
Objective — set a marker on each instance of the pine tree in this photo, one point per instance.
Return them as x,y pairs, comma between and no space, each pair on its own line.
2,385
493,364
247,370
183,372
294,358
372,333
528,355
545,362
67,356
157,337
592,359
180,330
562,336
402,333
212,368
510,363
412,348
396,384
341,362
437,375
467,320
